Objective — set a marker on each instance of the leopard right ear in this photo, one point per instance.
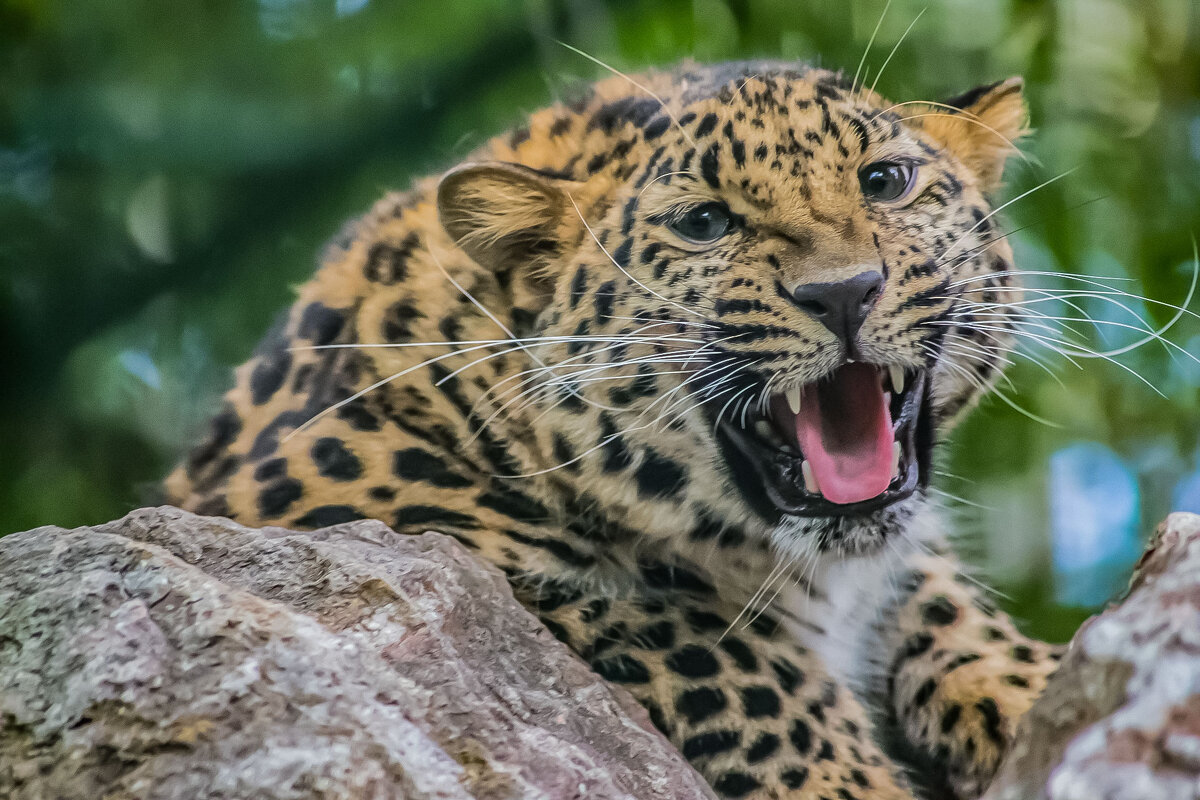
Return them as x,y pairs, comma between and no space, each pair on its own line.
983,134
508,217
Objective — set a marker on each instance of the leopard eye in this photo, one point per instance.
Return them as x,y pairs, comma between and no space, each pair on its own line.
704,224
886,180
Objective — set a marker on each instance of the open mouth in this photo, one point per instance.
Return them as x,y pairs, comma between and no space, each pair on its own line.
847,444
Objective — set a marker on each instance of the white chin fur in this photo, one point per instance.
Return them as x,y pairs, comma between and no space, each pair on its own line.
849,594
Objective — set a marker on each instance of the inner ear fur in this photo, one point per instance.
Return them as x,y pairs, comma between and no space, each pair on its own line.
983,132
507,217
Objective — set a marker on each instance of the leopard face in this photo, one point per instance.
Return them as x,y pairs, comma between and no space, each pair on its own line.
737,290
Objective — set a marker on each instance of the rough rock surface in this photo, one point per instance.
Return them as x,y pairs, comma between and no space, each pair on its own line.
172,656
1120,720
169,656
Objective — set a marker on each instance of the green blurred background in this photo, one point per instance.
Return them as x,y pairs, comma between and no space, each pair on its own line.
168,172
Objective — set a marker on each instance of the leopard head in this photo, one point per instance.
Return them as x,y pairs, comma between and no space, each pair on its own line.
739,291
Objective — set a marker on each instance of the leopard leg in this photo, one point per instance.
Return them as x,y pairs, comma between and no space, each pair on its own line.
960,674
752,710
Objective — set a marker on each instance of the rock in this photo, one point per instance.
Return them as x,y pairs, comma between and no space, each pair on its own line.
167,655
1120,720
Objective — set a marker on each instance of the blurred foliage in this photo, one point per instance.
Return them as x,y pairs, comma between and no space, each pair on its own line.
169,170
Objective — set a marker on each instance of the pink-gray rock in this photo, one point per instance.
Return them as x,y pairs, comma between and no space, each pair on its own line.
1120,720
169,656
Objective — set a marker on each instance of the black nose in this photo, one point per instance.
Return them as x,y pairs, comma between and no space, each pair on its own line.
841,307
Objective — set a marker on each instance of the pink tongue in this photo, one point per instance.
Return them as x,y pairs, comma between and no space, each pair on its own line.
844,429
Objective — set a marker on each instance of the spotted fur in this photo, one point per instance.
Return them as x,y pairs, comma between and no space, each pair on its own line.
578,458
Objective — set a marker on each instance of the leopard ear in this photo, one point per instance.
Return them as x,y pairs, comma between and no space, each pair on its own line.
507,217
983,132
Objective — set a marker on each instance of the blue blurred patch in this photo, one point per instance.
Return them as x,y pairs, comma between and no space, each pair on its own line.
1094,517
1186,496
1189,368
141,365
345,8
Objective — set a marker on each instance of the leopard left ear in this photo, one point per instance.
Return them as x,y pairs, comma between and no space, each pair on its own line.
983,132
507,217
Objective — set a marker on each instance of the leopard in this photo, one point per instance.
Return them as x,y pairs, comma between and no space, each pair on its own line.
677,356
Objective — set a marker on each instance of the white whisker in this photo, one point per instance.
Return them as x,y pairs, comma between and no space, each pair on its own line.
867,50
662,103
896,47
962,500
1002,206
1069,350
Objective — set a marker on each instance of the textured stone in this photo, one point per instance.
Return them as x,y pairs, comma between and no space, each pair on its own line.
1120,720
167,655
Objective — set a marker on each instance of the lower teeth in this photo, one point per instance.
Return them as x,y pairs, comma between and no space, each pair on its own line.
810,480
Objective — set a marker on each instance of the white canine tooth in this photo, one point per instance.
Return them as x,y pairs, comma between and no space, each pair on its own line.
810,480
762,428
897,374
793,399
895,459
